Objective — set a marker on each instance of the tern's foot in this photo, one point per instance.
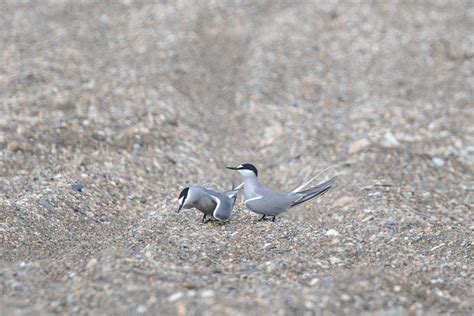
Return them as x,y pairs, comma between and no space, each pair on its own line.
264,218
211,219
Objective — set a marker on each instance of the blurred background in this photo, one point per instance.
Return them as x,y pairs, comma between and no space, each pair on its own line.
109,108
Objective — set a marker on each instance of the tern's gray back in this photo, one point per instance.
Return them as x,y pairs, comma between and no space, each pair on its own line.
212,203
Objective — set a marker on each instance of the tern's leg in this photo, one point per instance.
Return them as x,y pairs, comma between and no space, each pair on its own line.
273,219
263,218
204,217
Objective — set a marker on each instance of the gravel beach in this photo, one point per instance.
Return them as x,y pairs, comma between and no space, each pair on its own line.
108,109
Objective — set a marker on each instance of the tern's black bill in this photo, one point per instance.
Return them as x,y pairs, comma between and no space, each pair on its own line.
232,168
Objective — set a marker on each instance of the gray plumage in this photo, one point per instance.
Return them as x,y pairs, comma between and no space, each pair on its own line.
262,200
218,205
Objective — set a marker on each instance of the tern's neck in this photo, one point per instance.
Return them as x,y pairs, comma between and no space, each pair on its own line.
251,182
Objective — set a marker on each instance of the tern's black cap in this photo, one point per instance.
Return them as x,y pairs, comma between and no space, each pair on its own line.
248,166
245,166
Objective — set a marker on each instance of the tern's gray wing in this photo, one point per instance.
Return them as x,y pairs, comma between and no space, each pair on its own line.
268,202
205,203
224,206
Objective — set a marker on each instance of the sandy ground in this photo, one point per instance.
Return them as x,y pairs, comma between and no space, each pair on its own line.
109,108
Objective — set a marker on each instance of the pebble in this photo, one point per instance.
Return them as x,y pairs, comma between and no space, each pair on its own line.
390,140
91,264
252,271
436,281
46,205
270,134
207,293
175,296
358,146
335,260
181,310
77,187
332,232
436,247
17,286
141,309
14,146
314,281
438,161
345,297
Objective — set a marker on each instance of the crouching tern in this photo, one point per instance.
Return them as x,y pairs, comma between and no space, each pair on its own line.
218,205
262,200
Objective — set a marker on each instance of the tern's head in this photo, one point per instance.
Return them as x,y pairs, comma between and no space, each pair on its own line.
189,196
246,169
183,196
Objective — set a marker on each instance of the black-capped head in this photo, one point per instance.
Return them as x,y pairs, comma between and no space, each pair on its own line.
245,166
182,198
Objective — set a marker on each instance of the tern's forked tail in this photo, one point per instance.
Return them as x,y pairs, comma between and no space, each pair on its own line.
314,192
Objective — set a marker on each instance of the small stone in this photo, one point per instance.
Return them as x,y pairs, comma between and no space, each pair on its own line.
397,288
270,134
335,260
314,281
436,281
77,187
207,293
358,146
176,296
309,305
345,297
438,161
17,286
323,265
14,146
141,309
91,264
252,271
181,310
436,247
391,140
46,205
332,232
